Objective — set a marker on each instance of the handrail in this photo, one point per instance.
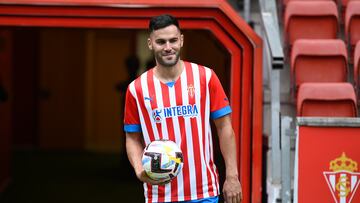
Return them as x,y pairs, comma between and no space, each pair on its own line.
273,37
275,56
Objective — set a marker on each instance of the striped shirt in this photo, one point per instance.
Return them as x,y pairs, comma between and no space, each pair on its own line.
180,112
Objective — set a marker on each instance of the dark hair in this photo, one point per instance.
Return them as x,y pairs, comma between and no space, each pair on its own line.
161,21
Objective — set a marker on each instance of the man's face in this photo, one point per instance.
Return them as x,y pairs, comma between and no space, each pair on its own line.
166,44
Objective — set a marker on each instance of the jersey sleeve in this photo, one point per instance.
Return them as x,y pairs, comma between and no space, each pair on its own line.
131,117
219,103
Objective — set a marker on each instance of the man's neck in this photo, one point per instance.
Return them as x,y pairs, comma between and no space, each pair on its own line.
169,74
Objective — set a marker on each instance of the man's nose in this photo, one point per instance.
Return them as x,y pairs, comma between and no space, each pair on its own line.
167,46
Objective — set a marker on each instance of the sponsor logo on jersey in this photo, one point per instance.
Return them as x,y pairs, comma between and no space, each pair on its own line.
175,111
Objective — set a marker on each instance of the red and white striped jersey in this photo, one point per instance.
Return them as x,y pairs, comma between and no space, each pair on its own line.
180,112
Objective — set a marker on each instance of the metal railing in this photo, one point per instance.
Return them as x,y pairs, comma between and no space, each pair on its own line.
279,182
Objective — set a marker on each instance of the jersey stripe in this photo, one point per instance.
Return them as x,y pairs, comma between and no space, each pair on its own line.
146,135
188,134
168,133
200,100
154,93
177,187
146,124
148,106
179,89
149,91
195,139
208,138
146,193
211,163
213,166
208,183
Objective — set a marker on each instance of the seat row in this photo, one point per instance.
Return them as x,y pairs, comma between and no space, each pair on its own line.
319,71
318,19
326,100
341,4
322,60
319,60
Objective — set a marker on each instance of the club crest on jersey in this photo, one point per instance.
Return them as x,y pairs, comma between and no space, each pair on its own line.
175,111
344,179
191,90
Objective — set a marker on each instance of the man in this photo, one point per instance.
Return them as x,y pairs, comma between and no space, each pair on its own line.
175,100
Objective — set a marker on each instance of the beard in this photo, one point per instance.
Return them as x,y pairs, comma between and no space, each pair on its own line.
161,59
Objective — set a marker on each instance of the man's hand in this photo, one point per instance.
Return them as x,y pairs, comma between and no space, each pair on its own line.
134,150
142,176
232,190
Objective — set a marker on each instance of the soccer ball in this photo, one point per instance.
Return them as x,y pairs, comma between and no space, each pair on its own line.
162,160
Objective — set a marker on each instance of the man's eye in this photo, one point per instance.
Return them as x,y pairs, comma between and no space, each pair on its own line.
173,40
160,42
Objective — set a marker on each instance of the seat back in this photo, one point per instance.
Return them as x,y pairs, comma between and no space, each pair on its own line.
352,22
286,1
343,3
357,64
326,100
319,61
310,20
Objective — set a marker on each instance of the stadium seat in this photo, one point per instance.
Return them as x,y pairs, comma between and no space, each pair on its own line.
344,4
310,20
357,65
320,60
352,22
286,1
326,100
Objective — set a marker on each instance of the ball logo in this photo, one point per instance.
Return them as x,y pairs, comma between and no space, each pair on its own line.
156,162
344,179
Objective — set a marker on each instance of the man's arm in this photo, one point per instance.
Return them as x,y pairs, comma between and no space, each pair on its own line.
134,149
232,188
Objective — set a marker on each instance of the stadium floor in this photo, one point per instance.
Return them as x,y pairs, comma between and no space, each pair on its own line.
58,177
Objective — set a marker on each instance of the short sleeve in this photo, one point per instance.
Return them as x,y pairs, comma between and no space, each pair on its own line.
219,102
131,117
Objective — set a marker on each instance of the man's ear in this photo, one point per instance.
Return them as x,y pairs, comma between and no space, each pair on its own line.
181,40
149,44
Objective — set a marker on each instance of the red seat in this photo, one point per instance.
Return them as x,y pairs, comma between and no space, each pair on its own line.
310,20
320,60
326,100
352,22
357,64
344,4
286,1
